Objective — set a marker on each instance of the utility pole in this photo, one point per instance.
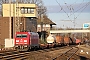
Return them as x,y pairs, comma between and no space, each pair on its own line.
41,26
10,20
41,12
17,25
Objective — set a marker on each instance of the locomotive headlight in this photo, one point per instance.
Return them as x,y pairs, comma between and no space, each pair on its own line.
25,46
16,46
25,43
17,40
25,40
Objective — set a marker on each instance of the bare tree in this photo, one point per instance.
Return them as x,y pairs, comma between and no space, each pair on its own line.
38,2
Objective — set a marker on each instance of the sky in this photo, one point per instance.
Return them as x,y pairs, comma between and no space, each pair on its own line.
65,12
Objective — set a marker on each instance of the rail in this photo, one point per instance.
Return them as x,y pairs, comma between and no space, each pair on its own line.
73,53
25,55
32,55
70,52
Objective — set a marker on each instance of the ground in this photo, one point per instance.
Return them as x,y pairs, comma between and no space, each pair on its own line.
52,54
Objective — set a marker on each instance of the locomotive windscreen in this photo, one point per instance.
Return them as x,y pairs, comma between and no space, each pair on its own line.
21,36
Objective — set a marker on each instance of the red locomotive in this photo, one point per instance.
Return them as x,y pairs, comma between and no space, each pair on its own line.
26,40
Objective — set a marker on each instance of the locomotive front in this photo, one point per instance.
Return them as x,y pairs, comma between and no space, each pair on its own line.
22,41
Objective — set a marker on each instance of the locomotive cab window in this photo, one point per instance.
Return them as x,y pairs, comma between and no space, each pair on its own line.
24,35
21,36
18,35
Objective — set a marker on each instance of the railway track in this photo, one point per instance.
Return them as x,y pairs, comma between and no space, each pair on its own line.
25,55
68,55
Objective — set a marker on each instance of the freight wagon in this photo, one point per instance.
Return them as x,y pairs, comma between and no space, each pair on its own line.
59,40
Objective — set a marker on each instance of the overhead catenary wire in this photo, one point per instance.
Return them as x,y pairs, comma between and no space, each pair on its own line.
73,11
83,9
78,10
63,9
71,8
10,19
79,4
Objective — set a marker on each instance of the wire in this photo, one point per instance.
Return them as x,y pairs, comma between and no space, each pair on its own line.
71,9
62,9
83,9
80,13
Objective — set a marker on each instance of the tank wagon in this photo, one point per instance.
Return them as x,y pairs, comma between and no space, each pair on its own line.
51,41
26,40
